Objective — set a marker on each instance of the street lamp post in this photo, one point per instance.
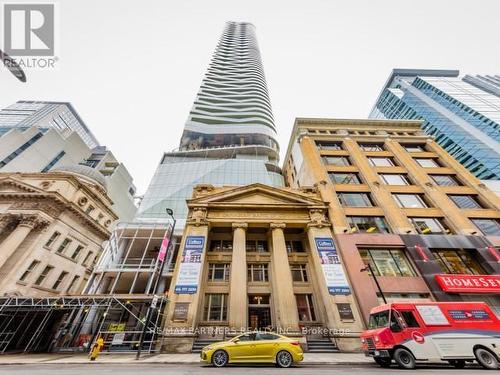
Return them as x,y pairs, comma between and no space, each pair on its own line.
12,66
155,288
369,268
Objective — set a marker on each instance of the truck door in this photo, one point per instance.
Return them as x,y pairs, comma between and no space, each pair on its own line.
414,333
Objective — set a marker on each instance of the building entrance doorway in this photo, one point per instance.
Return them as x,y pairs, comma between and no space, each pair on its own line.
259,312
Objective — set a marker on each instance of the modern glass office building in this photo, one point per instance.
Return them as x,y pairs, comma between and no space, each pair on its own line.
229,137
45,115
462,113
39,136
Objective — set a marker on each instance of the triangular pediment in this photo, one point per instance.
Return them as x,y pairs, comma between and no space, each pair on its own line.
256,194
11,185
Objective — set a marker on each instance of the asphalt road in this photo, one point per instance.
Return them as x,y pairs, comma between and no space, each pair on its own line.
157,369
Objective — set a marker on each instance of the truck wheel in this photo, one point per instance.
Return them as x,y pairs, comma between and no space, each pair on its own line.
457,363
486,359
383,362
404,359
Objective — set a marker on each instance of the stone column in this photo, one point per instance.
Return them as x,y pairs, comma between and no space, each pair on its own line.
191,300
284,298
238,285
16,237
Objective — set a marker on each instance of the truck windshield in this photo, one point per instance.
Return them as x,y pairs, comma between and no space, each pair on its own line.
379,320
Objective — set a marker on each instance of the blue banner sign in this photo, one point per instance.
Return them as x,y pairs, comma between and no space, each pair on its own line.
335,278
190,268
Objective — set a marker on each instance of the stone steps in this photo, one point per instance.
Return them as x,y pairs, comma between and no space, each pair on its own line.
200,344
321,346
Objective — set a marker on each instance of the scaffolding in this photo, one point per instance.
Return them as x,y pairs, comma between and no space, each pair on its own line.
73,323
114,305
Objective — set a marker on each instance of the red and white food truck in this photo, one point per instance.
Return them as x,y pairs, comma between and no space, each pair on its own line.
410,332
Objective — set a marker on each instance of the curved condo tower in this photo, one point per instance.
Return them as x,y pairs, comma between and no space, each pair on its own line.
229,137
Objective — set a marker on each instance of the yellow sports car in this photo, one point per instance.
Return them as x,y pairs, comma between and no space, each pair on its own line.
254,347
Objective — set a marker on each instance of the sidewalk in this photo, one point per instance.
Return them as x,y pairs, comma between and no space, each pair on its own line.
309,359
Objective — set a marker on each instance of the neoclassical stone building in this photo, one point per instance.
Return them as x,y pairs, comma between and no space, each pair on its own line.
259,257
52,226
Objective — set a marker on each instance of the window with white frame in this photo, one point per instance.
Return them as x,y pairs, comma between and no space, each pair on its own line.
305,307
53,238
64,245
215,307
218,272
299,272
33,265
258,272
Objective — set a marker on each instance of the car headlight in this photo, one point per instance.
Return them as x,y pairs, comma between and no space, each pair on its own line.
376,338
363,340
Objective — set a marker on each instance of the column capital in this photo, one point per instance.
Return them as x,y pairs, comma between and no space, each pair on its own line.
318,218
277,226
198,216
32,221
240,225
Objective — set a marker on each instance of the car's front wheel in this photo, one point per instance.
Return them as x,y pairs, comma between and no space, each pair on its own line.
284,359
220,358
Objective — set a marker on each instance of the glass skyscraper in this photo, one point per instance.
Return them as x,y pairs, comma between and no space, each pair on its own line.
229,137
462,113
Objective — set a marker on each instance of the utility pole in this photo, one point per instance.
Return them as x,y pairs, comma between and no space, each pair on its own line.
155,287
369,268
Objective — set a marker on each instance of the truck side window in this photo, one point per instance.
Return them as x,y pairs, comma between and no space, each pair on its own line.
394,324
409,318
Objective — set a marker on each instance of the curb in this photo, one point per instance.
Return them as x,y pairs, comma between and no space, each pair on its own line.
141,362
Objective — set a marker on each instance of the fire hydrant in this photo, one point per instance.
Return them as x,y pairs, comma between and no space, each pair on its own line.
96,349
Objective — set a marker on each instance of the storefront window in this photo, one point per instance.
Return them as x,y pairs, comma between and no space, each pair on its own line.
458,261
305,307
215,308
387,262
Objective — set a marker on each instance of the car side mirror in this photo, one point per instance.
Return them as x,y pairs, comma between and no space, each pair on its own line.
236,341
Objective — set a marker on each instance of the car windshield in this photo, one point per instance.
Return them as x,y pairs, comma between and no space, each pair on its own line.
379,320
